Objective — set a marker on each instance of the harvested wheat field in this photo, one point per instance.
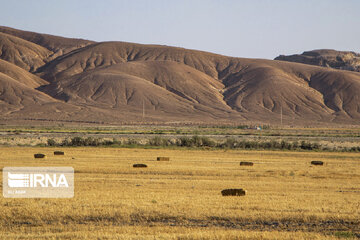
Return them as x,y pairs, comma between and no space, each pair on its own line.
286,197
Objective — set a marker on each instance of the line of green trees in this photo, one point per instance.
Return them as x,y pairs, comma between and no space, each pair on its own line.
198,142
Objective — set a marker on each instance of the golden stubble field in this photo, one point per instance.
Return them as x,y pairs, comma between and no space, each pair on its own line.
287,198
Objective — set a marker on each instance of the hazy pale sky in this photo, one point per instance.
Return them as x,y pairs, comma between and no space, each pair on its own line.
240,28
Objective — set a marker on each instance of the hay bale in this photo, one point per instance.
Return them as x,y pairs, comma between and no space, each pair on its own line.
246,163
139,165
39,155
59,153
319,163
233,192
163,159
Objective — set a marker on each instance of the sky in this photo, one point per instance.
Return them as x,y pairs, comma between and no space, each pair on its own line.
239,28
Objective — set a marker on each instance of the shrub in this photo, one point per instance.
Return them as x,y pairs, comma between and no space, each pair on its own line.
207,142
306,146
51,142
65,142
195,141
230,143
158,141
132,142
184,142
77,141
91,142
116,141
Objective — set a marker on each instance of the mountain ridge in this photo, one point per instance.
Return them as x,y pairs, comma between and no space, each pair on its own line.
114,82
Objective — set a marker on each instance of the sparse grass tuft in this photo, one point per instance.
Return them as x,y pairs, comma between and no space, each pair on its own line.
341,234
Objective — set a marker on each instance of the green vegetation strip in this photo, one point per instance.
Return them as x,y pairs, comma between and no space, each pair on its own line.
197,142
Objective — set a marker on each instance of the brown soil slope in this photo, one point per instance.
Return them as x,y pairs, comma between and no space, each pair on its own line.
57,45
20,99
116,82
301,91
17,89
20,75
22,53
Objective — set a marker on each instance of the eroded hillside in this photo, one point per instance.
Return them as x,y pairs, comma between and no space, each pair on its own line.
113,82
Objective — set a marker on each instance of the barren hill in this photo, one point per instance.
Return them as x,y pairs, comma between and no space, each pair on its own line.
17,89
57,45
113,82
22,53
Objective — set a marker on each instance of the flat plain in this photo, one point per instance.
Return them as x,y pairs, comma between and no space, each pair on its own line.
287,197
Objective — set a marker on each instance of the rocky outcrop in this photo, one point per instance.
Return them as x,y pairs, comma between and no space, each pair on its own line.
326,58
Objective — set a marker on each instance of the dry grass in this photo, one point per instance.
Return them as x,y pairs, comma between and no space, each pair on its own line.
287,198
